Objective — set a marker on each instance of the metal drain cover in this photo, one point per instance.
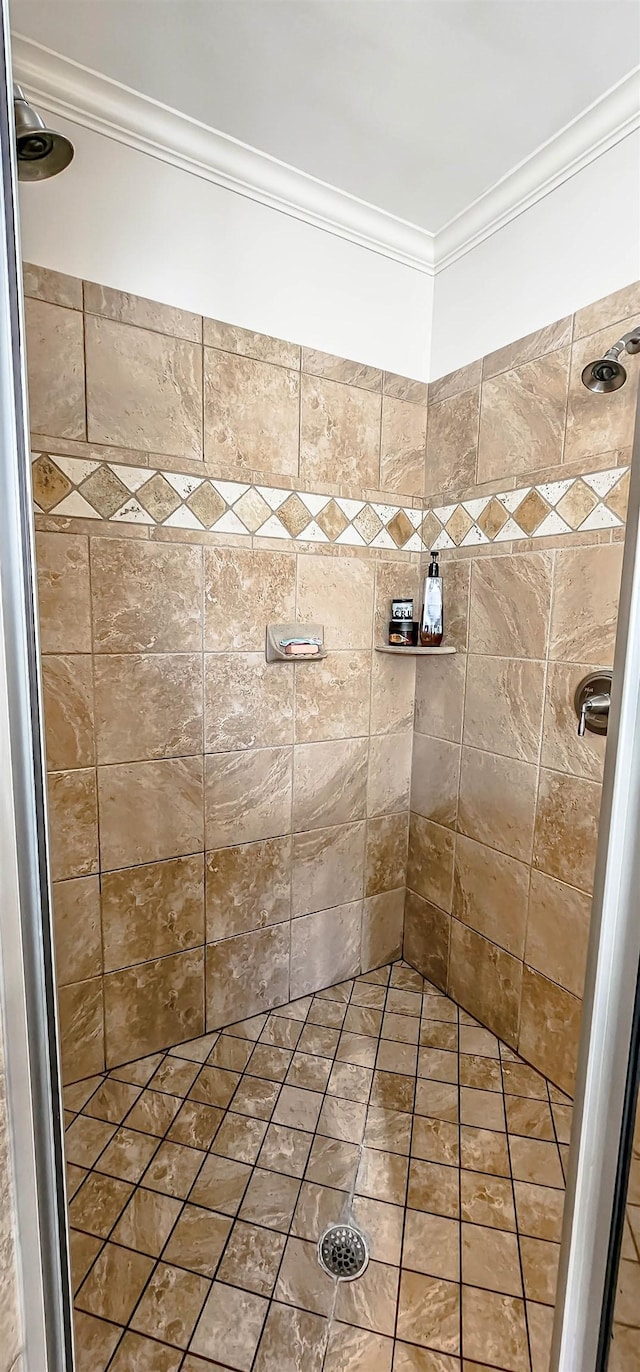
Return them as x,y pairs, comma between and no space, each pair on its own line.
343,1252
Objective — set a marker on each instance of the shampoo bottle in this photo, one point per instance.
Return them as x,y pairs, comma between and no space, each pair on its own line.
431,624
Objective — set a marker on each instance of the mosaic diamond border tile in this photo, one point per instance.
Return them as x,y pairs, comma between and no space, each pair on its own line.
89,489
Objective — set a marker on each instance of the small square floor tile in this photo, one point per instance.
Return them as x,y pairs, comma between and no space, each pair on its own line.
481,1074
369,996
400,1028
221,1184
490,1259
173,1169
389,1130
317,1208
434,1188
484,1150
429,1312
540,1269
435,1140
310,1071
485,1109
438,1099
292,1341
359,1019
85,1140
536,1161
370,1302
333,1162
478,1041
140,1072
95,1341
230,1326
393,1091
153,1112
383,1176
147,1222
175,1076
128,1155
432,1245
195,1125
268,1061
139,1354
397,1057
231,1053
270,1199
318,1039
531,1118
487,1200
111,1101
350,1082
171,1305
239,1137
198,1240
281,1032
214,1086
494,1329
96,1206
256,1096
301,1280
358,1049
114,1283
297,1108
327,1012
252,1258
195,1050
382,1223
342,1119
404,1002
285,1150
83,1249
437,1034
539,1210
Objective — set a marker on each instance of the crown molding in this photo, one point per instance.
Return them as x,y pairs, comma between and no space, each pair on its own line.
603,124
66,88
96,102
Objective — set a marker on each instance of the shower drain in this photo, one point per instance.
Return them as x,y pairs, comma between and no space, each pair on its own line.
343,1252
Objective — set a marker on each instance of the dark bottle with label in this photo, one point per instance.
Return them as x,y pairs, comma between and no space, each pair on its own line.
432,622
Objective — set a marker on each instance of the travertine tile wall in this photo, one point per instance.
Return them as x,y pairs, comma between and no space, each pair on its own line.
226,834
505,797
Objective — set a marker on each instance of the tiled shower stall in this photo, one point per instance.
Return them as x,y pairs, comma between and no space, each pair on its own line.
229,836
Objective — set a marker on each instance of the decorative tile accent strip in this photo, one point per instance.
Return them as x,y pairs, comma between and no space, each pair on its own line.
72,486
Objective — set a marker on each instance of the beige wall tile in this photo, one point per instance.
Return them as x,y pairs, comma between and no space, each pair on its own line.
522,417
329,783
232,339
76,909
153,1005
251,413
392,694
247,796
244,591
430,861
146,597
248,703
147,314
148,706
56,287
452,442
247,974
389,773
341,369
333,697
150,811
486,981
144,389
405,388
558,931
585,604
562,750
382,928
248,887
339,433
73,824
328,868
456,600
556,335
55,370
435,772
566,832
325,947
63,593
402,450
453,383
426,938
490,893
592,427
497,802
68,706
80,1009
510,603
337,592
386,853
603,313
503,706
152,911
550,1029
440,686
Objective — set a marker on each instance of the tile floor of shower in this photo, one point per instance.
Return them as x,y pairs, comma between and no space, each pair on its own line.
201,1178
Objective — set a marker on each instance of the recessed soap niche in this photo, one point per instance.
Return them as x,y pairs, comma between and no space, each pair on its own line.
280,635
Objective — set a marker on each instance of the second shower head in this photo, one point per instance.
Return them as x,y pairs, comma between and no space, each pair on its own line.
607,373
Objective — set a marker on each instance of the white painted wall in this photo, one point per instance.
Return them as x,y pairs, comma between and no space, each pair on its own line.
579,243
130,221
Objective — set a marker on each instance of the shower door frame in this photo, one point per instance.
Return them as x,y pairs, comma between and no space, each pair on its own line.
606,1085
27,968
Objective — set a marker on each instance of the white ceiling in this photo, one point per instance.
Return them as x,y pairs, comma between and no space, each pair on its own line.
416,106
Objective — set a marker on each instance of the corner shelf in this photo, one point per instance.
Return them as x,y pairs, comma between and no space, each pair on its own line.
416,652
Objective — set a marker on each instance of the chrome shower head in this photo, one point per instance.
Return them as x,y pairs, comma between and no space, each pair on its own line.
607,373
41,151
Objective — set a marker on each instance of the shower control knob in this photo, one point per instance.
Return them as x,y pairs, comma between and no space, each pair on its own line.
592,703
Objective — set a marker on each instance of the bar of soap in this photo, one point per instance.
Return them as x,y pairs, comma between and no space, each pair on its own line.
301,649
